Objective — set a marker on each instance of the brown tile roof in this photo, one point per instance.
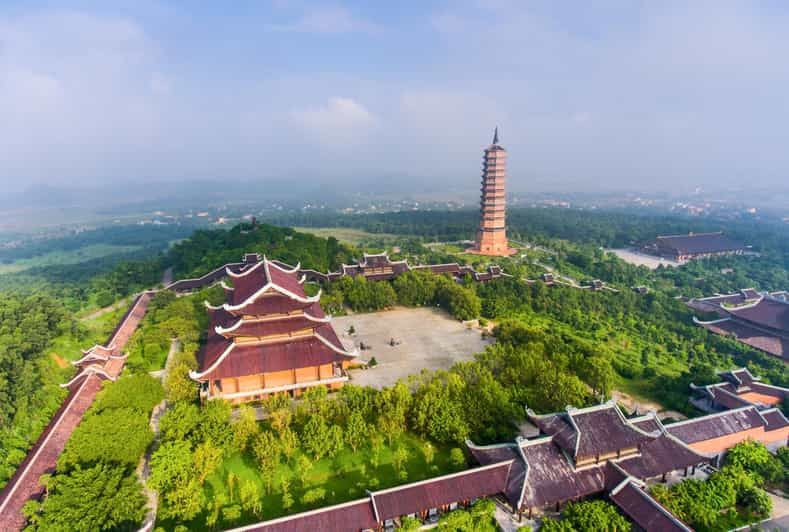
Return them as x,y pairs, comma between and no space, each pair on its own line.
645,511
265,358
604,430
590,431
268,327
770,313
352,516
775,419
716,425
661,455
647,423
772,344
699,243
274,304
434,493
551,478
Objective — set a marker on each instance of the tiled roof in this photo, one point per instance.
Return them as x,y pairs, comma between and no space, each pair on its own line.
647,423
661,455
434,493
603,430
770,313
551,478
266,358
645,511
775,419
694,243
716,425
352,516
772,344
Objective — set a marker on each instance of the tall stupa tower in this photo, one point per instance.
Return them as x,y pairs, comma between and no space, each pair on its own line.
492,235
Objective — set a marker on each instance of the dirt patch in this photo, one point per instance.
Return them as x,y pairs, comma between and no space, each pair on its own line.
59,360
405,341
642,406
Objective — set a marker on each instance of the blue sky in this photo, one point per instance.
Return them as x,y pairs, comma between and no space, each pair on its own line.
587,94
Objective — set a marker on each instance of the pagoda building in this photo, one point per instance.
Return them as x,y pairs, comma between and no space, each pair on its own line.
269,337
492,234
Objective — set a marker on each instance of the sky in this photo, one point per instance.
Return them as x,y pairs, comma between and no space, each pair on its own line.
605,94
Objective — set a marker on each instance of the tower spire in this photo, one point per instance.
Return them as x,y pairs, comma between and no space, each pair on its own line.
496,135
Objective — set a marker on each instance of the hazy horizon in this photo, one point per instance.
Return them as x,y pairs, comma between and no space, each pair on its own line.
614,95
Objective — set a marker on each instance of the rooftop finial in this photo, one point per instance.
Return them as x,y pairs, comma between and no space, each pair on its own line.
496,135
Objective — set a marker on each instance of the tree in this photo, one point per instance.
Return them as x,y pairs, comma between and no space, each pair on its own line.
118,435
171,462
596,515
303,468
429,452
312,496
173,475
178,385
180,422
400,458
249,495
267,451
749,455
756,501
356,430
393,405
245,428
207,458
457,458
97,498
315,436
287,498
288,442
336,440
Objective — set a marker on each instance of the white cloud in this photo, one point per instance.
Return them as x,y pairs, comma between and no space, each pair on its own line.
340,121
159,84
328,20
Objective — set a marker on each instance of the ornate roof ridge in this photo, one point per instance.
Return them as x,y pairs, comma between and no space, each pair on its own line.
269,285
711,322
225,286
294,269
195,375
245,272
241,321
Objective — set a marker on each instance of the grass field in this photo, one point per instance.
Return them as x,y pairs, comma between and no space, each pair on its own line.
57,258
347,235
97,329
343,478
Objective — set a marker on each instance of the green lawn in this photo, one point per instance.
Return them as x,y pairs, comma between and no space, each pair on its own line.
344,477
347,235
98,329
57,258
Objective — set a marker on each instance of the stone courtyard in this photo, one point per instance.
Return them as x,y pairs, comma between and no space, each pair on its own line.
424,338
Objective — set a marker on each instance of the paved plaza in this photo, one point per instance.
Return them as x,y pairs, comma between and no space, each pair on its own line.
425,338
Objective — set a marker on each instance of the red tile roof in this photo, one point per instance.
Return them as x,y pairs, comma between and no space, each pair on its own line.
265,358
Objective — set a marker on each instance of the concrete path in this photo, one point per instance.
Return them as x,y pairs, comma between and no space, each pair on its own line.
115,306
167,276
